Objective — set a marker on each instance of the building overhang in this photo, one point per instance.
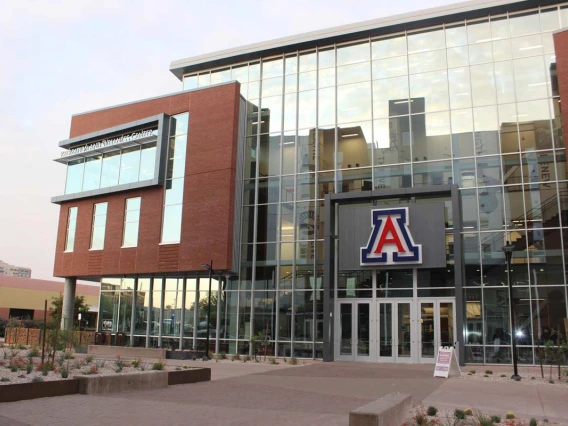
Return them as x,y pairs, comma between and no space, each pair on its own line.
351,32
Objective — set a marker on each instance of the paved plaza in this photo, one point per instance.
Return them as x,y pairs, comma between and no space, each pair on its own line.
260,394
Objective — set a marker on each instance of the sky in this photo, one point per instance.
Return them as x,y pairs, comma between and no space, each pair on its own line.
62,57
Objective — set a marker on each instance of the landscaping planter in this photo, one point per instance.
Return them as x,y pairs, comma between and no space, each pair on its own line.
126,351
189,376
21,391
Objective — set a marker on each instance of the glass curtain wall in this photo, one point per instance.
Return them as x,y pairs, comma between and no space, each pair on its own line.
474,103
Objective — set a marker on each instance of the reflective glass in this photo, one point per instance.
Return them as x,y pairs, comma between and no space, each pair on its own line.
326,77
171,226
390,97
392,140
502,49
464,173
306,151
267,223
74,176
549,20
305,221
390,67
432,173
174,191
460,90
483,85
99,226
526,23
326,106
427,61
307,109
462,133
269,155
393,177
129,165
534,125
220,76
268,191
147,162
176,161
272,68
527,46
204,80
308,61
486,136
254,72
189,82
264,303
290,111
530,78
92,176
353,102
491,215
271,113
353,73
291,64
478,32
307,80
457,57
353,54
326,58
456,36
71,226
272,86
131,222
429,92
489,171
389,47
288,155
285,315
538,166
431,136
504,82
355,145
427,40
290,84
496,319
240,73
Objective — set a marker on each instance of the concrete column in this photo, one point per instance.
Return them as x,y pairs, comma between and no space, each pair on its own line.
68,307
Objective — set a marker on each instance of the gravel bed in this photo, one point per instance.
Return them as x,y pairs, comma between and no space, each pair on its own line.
74,366
447,418
526,379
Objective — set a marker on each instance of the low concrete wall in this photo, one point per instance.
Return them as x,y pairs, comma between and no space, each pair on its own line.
390,410
193,375
126,351
189,354
98,384
22,391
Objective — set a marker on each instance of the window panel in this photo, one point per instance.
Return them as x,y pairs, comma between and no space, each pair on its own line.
530,78
272,68
389,47
429,92
92,176
390,67
131,222
353,54
393,177
528,23
353,73
129,165
480,53
390,97
483,85
392,140
427,40
326,58
71,226
457,57
427,61
74,176
171,226
353,102
431,136
456,36
460,90
99,226
462,133
147,162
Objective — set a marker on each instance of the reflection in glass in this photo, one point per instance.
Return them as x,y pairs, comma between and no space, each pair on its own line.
74,176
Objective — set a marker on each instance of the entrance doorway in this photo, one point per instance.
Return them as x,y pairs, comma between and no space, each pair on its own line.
401,330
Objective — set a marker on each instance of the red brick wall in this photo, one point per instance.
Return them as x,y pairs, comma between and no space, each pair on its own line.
561,49
209,193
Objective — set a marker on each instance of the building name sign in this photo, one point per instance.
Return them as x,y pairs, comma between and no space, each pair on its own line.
108,142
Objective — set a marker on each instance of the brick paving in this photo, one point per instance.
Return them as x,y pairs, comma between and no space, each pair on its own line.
260,394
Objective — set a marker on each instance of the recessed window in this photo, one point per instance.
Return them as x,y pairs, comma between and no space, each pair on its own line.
71,226
131,222
99,226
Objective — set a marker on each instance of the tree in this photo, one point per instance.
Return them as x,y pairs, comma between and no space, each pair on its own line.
57,307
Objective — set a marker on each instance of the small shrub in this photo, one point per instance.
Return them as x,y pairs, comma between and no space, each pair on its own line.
459,414
144,366
292,361
236,357
13,368
222,355
44,372
29,368
272,361
93,370
483,420
89,359
68,354
509,415
470,374
64,373
158,366
46,366
37,379
503,375
136,362
551,381
4,379
33,352
421,419
468,412
496,419
118,364
518,379
101,363
486,375
185,367
533,422
488,372
20,346
178,368
60,359
472,371
432,411
533,378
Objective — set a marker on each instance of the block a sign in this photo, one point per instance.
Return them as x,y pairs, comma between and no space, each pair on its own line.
391,242
391,236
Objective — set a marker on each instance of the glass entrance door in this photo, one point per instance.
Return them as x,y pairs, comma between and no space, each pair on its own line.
354,331
437,325
395,331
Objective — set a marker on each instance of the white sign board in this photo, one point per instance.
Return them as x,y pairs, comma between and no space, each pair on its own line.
446,363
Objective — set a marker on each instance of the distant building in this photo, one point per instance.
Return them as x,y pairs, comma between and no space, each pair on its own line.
24,298
14,271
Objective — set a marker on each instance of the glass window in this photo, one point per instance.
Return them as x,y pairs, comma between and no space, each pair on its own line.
326,58
220,76
392,140
527,23
307,109
99,226
355,145
271,113
269,155
389,47
429,92
240,73
74,176
353,102
393,177
460,90
353,73
457,57
534,125
272,86
483,85
267,223
390,97
171,226
486,135
462,133
431,136
433,173
390,67
456,36
427,61
426,40
92,176
147,162
491,215
306,150
189,82
478,32
129,165
71,226
504,82
131,222
111,169
549,20
353,54
308,61
527,46
530,78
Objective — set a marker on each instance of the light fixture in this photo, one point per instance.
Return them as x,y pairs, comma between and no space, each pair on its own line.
350,135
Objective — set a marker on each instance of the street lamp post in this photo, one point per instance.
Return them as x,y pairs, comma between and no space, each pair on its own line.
209,267
508,250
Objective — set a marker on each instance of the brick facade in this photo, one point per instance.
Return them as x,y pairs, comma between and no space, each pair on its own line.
209,193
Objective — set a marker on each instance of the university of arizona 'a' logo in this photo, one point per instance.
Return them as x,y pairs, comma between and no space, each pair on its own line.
391,242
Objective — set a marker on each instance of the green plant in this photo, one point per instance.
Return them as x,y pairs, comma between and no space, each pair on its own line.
459,414
60,359
432,411
503,375
236,357
468,412
93,370
158,366
178,368
64,373
496,419
68,354
144,366
421,419
37,379
292,361
33,352
551,381
488,372
13,368
44,372
472,371
533,422
222,355
272,361
89,359
135,362
470,374
485,375
118,364
101,363
4,379
483,420
509,415
29,367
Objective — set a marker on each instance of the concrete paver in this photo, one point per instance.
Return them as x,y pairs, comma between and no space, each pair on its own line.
282,395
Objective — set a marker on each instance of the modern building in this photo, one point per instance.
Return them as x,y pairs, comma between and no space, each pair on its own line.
14,271
24,298
350,191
